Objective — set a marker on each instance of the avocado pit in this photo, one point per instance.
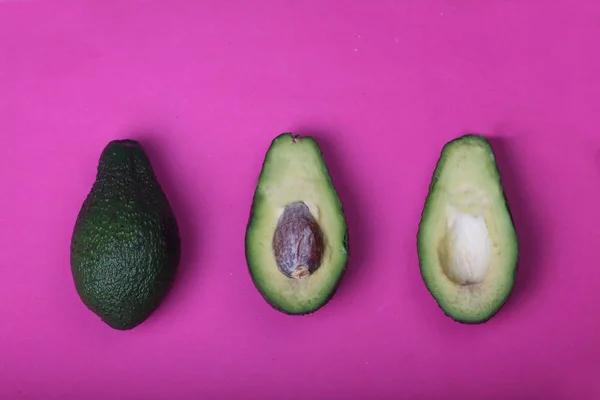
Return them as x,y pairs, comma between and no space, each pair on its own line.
298,244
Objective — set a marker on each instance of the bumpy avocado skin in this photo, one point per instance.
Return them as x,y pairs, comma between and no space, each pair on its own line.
125,246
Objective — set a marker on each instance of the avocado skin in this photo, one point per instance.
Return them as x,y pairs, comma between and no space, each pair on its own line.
125,246
346,243
432,187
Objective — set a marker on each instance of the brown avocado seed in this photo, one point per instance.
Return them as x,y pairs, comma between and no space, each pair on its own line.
298,243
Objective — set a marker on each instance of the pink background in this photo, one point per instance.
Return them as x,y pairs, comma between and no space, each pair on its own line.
382,85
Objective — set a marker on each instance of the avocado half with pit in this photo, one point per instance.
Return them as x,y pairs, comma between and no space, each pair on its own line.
467,244
296,238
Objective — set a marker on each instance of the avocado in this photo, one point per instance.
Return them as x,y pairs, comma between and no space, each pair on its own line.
125,246
467,244
296,237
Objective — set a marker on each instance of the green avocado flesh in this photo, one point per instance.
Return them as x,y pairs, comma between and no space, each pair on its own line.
296,238
125,246
467,244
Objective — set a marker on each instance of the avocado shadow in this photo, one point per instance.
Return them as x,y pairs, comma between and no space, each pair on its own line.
188,231
359,231
525,220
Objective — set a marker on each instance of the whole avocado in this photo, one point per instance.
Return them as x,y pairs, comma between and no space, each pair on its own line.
125,247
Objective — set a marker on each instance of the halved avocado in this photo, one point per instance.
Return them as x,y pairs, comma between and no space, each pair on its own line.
467,244
296,238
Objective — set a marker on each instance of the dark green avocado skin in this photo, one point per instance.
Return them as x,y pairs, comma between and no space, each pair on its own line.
125,247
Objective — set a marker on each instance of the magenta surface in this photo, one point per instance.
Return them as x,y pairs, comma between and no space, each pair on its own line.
382,85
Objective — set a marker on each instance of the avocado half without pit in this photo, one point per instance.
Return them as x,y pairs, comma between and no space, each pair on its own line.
467,243
296,237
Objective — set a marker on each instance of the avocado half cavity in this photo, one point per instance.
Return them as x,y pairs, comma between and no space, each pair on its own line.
467,244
